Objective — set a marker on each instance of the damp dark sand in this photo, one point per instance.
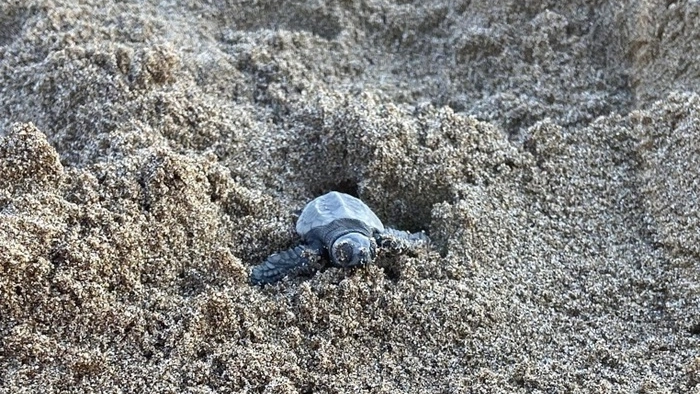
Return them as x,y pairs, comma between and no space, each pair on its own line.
151,154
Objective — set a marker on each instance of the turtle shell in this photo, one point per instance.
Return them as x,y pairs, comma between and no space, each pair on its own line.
332,206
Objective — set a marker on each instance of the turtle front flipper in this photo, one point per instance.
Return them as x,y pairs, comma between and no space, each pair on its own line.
291,262
400,241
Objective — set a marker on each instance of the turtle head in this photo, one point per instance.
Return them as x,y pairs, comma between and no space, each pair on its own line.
353,249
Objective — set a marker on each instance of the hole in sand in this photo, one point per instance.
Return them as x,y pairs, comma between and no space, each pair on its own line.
346,186
392,271
695,329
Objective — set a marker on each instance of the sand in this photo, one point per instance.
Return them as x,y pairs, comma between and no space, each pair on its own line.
152,153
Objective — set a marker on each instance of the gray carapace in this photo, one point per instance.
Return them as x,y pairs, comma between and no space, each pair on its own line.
339,228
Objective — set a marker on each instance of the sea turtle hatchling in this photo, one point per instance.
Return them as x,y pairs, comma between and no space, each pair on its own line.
340,228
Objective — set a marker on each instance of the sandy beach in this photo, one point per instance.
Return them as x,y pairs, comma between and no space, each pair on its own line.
153,152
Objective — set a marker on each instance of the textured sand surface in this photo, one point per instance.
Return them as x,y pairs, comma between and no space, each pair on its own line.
152,152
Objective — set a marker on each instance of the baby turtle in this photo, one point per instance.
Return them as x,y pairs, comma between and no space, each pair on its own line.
340,228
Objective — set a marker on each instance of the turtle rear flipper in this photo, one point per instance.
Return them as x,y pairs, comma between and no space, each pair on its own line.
291,262
400,241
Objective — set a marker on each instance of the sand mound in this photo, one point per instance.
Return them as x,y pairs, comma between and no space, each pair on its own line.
151,154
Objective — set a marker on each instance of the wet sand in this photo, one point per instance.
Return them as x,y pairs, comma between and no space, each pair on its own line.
152,154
